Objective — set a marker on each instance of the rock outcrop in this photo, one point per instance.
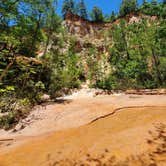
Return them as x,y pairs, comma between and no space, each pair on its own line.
76,25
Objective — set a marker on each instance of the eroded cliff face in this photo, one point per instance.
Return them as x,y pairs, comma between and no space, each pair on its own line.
89,34
76,25
92,40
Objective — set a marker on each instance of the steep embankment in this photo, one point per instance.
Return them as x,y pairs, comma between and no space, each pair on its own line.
106,125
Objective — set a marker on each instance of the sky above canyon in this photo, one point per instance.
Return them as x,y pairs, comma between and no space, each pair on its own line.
106,5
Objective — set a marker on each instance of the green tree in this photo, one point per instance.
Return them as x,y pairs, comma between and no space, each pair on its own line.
154,2
145,4
30,23
163,9
155,8
128,6
113,17
82,9
8,12
145,8
23,39
97,14
63,70
68,6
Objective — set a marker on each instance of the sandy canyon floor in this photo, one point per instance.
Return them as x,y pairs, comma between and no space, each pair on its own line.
80,127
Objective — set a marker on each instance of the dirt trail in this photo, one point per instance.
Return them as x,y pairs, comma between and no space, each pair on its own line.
72,129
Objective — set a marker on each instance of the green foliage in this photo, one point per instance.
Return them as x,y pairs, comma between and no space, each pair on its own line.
7,121
96,14
24,21
127,7
163,9
63,69
82,9
29,24
7,89
12,109
8,12
25,81
93,66
68,6
113,17
137,57
153,8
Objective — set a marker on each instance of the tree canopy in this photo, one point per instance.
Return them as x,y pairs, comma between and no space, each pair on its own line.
96,14
82,9
128,6
68,6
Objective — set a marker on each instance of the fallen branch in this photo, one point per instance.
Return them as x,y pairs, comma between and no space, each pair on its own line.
5,140
6,69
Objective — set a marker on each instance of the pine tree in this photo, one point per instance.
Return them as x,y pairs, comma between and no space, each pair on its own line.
145,3
154,8
82,9
154,2
163,11
145,8
68,6
97,14
113,17
128,6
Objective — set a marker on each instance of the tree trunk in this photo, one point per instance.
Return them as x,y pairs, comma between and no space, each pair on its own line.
156,63
47,43
9,65
35,34
6,69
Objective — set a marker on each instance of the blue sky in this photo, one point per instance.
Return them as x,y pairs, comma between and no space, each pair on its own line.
106,5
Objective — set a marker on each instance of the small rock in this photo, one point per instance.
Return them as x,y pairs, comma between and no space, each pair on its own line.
19,127
45,97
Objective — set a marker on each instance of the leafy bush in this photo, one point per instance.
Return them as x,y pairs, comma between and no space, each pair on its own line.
8,121
12,109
